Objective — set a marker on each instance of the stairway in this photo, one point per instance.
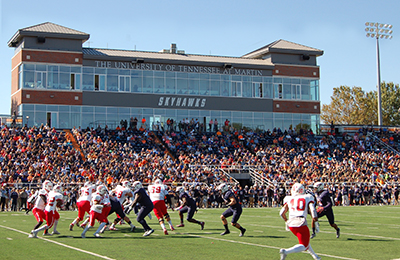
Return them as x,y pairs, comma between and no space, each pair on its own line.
70,137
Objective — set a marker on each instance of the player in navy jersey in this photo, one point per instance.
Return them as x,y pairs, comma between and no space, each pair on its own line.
234,210
117,208
187,205
146,206
324,207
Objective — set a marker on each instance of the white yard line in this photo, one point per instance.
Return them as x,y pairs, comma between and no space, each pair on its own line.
60,244
266,246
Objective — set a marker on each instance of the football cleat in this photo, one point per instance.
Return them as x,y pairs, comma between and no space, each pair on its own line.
172,228
202,225
242,232
83,235
97,235
283,254
313,235
133,228
71,226
55,233
165,232
225,232
180,225
148,232
338,233
113,229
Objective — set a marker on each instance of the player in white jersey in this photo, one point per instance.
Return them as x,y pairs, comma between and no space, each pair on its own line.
39,200
157,192
298,205
54,200
96,211
122,192
83,203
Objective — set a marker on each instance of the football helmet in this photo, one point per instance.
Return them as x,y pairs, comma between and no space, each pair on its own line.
87,184
318,186
180,190
158,182
126,184
102,190
223,188
47,185
58,188
297,189
137,185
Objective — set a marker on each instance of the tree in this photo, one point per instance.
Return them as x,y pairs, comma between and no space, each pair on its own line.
350,106
353,106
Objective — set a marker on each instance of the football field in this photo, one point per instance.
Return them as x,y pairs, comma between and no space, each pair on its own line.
371,232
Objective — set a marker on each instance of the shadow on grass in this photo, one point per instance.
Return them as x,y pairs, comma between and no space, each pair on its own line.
369,239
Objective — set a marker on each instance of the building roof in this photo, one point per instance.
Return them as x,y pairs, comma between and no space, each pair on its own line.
48,29
282,46
94,53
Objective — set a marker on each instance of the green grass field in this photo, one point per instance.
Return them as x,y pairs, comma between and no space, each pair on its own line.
366,233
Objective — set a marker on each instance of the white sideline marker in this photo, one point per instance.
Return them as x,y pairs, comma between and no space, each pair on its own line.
60,244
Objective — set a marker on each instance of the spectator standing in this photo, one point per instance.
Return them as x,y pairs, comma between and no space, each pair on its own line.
14,199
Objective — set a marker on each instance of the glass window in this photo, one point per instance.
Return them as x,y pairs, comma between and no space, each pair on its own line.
40,67
112,83
225,86
171,85
124,83
65,69
112,71
182,86
87,82
124,72
257,89
147,84
247,89
87,109
182,75
29,79
215,88
40,79
63,108
286,80
305,92
136,81
100,71
159,86
268,90
147,73
76,69
88,70
64,81
29,67
287,90
52,68
28,107
194,85
40,107
277,80
278,90
52,108
52,81
204,85
295,81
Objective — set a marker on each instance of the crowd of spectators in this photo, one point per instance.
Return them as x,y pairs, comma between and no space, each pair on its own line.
362,160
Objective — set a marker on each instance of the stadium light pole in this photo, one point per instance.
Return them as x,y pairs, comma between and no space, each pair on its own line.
382,31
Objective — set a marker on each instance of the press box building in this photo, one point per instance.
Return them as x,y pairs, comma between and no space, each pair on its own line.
57,81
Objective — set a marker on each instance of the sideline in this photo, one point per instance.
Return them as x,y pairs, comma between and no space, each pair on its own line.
60,244
266,246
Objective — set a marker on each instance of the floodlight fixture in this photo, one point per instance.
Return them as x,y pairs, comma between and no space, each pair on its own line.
375,30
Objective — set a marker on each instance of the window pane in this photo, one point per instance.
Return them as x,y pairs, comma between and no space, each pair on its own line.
136,83
88,82
112,83
215,88
159,86
147,84
171,85
64,81
29,77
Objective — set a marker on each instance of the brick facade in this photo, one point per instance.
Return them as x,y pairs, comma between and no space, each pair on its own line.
305,107
296,71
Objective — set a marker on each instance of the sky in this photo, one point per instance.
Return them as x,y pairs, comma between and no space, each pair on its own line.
223,28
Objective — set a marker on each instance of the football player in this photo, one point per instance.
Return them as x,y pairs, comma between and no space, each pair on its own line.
187,204
117,208
39,199
122,192
83,202
298,205
146,206
234,210
324,207
54,200
96,211
157,193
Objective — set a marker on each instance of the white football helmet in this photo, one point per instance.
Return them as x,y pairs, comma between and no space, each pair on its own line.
158,182
47,185
137,185
297,189
223,188
87,184
102,190
180,190
318,186
58,188
126,184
